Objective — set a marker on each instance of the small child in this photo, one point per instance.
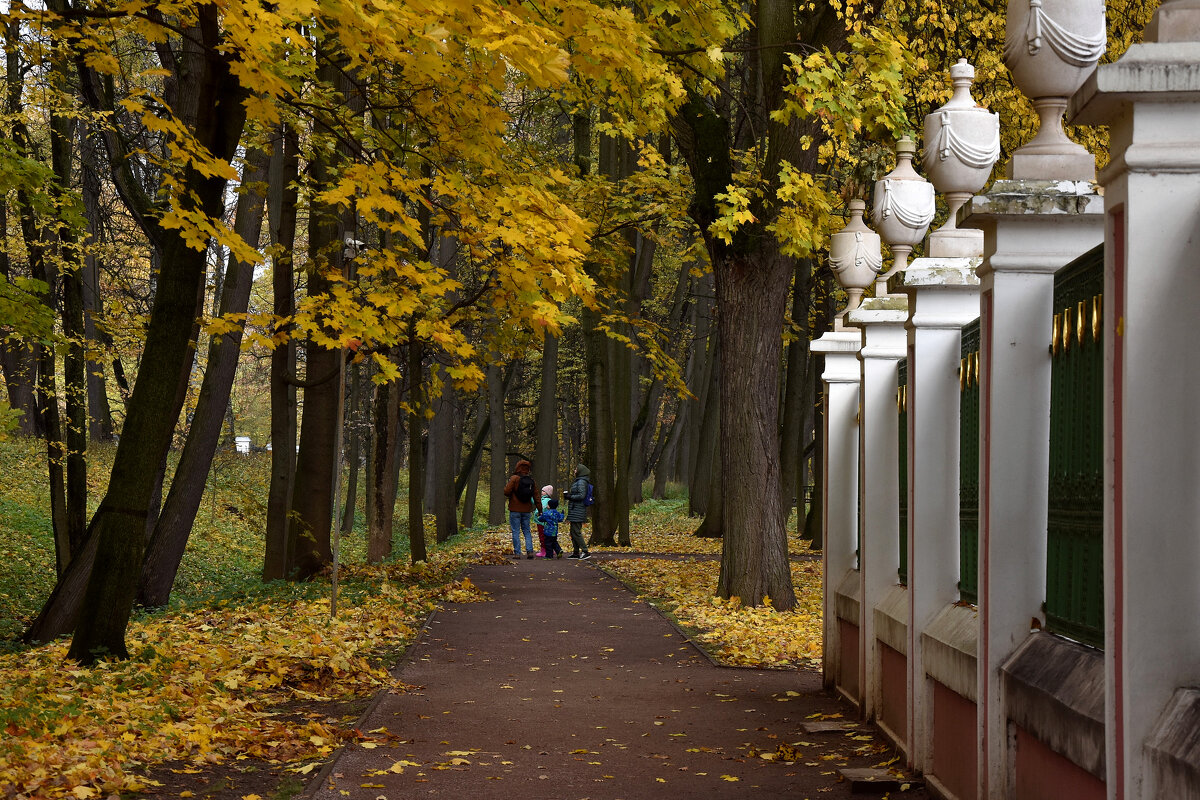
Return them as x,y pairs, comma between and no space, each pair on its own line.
550,519
547,493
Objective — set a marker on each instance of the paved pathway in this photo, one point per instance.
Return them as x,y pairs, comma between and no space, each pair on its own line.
565,686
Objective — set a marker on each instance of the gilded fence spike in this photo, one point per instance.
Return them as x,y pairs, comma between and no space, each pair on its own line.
1096,319
1066,328
1056,340
962,375
1080,321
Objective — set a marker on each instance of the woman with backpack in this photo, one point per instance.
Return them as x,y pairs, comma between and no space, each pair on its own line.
579,497
519,490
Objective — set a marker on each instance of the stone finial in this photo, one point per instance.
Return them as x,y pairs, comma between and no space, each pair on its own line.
904,207
962,143
1050,47
855,256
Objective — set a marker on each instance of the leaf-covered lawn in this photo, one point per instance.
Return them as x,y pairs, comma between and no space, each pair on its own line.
733,633
231,672
208,685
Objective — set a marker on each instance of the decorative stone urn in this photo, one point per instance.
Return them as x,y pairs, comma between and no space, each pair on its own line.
855,256
1050,47
962,143
904,207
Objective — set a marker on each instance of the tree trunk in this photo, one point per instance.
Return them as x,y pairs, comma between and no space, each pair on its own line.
545,453
49,417
713,524
795,410
600,436
210,104
62,141
353,450
754,558
443,457
813,524
381,493
708,440
170,535
282,201
100,422
416,459
43,266
471,468
700,438
498,471
309,544
444,444
713,491
19,363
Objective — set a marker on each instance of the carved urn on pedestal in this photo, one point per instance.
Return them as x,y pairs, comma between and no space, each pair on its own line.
904,206
1050,47
855,256
962,142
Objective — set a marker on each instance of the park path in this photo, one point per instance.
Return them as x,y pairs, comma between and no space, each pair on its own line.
565,686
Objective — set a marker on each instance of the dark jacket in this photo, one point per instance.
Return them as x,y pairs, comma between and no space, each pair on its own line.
510,488
576,510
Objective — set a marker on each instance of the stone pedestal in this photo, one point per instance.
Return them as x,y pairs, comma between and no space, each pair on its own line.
1031,229
883,345
1150,98
840,487
943,295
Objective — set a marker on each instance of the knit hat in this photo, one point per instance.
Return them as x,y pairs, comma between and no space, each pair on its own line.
547,491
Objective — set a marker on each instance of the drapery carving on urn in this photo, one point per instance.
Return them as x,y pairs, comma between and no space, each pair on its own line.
855,256
904,207
1070,47
1050,47
962,143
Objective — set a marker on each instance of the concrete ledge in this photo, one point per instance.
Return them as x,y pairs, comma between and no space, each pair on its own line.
951,647
891,620
1173,748
847,598
1054,688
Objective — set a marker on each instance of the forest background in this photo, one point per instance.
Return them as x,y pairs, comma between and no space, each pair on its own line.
406,243
399,245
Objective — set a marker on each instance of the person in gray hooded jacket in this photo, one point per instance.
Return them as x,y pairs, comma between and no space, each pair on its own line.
577,511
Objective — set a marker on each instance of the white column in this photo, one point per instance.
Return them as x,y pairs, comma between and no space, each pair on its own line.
839,489
1151,99
1031,229
882,322
943,295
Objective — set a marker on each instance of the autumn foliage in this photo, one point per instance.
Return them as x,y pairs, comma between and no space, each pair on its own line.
209,685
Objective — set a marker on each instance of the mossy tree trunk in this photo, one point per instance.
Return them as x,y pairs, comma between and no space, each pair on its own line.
208,99
283,200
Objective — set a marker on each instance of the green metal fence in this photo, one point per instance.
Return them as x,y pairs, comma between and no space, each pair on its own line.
968,466
902,466
1075,530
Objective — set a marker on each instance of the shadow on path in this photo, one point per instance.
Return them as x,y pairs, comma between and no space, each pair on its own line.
566,686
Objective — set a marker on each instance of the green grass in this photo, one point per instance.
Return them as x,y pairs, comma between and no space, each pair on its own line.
223,560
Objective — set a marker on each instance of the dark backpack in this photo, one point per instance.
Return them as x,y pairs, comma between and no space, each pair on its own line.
525,489
590,497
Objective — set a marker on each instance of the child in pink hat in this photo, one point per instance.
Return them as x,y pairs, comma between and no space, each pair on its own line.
547,493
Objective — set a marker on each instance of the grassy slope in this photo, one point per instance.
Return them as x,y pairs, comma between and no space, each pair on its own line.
224,555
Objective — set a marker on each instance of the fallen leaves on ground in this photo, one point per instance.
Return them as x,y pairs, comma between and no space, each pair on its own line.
746,636
207,685
662,526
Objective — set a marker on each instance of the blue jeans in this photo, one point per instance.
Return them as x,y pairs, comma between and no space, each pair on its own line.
519,521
